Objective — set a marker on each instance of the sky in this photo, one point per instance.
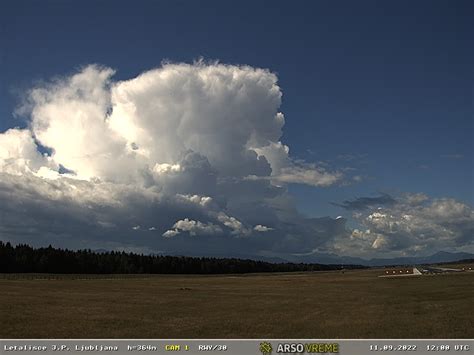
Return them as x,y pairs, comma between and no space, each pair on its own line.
265,129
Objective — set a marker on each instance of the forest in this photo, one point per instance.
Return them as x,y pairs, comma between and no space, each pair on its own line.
23,258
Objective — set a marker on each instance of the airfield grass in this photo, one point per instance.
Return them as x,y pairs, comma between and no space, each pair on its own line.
354,304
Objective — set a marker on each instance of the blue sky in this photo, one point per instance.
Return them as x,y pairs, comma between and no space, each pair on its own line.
381,89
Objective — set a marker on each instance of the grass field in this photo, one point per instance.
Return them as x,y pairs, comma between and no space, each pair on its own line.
356,304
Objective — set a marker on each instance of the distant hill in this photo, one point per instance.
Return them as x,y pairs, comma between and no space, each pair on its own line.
334,259
439,257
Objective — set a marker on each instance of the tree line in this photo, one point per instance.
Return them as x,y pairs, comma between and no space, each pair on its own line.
23,258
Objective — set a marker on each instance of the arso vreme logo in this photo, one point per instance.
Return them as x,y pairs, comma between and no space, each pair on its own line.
299,348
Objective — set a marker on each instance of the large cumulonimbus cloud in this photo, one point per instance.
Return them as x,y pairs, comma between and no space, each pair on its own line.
186,158
145,128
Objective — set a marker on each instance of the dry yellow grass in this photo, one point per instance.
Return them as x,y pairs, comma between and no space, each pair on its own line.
356,304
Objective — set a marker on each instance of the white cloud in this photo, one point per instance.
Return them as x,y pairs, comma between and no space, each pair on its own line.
140,129
286,170
411,224
19,153
446,210
233,223
379,242
68,116
307,174
416,198
171,233
260,228
167,168
204,201
193,227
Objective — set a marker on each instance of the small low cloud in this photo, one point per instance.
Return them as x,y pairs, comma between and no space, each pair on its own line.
307,174
194,228
260,228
